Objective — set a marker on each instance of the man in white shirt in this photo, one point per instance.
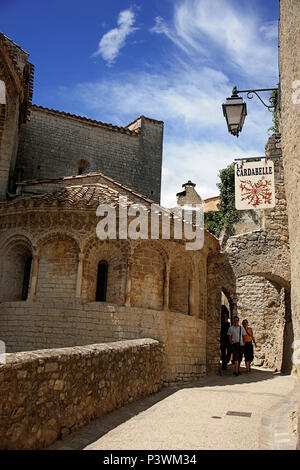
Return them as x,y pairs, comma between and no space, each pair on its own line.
237,336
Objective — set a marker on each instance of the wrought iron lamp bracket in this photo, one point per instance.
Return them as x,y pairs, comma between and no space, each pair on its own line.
250,93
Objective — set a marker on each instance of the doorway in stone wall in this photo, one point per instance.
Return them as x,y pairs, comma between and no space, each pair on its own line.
226,305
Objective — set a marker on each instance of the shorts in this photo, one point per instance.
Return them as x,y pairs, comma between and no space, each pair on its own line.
237,351
248,352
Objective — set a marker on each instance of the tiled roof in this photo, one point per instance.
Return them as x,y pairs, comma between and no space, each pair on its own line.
78,178
211,198
148,119
79,196
111,127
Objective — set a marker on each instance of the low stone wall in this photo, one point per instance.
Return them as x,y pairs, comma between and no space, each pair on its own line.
26,326
49,393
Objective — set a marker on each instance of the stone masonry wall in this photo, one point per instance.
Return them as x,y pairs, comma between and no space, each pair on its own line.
58,270
26,326
8,142
49,393
263,304
52,144
289,50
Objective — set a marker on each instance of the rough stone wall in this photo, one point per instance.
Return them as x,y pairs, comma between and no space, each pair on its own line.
260,253
148,165
26,326
8,142
263,304
289,49
16,76
252,220
52,144
48,394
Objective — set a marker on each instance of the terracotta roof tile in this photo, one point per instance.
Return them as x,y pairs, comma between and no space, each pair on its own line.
78,178
89,195
148,119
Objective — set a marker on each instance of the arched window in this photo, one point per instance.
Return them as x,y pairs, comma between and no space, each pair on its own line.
82,166
26,278
16,261
101,281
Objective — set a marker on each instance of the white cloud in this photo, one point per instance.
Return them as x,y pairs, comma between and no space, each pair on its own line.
161,27
199,161
218,30
270,30
177,95
187,92
114,40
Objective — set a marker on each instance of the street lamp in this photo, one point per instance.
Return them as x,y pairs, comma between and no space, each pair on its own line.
235,109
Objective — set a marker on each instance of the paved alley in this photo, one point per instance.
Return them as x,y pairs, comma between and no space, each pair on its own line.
253,411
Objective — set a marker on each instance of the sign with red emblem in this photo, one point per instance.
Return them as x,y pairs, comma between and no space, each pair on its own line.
254,185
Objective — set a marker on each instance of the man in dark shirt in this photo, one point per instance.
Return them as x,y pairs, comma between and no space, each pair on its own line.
224,339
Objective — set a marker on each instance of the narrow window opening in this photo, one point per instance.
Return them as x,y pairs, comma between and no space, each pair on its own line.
26,278
101,281
82,166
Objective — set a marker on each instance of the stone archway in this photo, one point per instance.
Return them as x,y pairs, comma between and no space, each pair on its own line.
113,253
181,278
16,264
58,264
148,276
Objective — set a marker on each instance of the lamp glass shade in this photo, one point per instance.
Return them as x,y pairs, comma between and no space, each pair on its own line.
235,111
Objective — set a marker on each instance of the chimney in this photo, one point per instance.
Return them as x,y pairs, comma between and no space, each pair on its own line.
189,196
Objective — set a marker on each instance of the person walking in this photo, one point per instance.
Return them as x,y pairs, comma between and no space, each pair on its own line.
224,339
237,335
248,350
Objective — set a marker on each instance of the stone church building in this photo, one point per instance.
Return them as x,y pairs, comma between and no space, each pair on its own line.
60,285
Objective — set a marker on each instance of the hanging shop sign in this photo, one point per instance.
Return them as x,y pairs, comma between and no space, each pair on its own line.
254,185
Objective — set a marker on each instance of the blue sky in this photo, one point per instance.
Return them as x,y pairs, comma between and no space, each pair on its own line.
174,61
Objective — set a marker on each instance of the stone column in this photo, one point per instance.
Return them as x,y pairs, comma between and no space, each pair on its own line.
192,298
167,286
128,284
34,276
79,276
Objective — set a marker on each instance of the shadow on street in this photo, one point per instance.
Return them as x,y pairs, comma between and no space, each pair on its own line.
101,426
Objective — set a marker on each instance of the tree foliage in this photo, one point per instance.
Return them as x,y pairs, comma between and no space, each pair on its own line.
216,221
274,102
